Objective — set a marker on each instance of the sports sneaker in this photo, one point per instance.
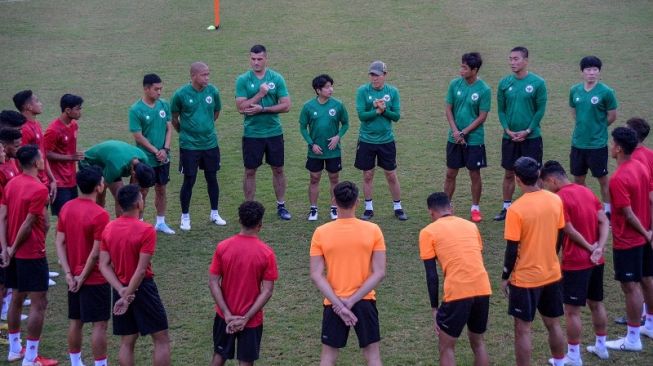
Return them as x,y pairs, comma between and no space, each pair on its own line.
334,213
312,214
645,331
623,321
600,353
185,224
216,219
401,215
51,283
41,361
476,216
53,274
12,356
367,215
568,362
22,317
283,212
622,344
501,216
27,302
164,228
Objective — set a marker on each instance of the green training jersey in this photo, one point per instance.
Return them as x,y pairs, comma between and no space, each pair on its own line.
377,128
114,157
197,116
521,103
467,102
152,122
320,122
591,111
262,124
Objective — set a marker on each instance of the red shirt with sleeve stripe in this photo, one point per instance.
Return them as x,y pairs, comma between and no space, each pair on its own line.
62,139
125,238
26,195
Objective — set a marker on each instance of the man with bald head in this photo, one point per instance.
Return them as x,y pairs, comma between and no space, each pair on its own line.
195,107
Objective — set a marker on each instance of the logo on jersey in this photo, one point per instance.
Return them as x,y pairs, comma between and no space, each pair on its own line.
510,88
315,113
332,112
386,98
529,88
475,97
369,97
594,99
577,99
190,101
271,85
458,93
209,99
162,113
251,85
65,138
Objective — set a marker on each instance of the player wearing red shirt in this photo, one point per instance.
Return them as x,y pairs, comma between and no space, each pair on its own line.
586,232
125,253
61,146
79,231
241,279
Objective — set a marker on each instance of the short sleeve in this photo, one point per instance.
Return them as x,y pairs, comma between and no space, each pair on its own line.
134,121
50,138
175,103
241,87
316,245
103,243
148,241
619,195
571,98
282,91
271,273
512,230
99,224
38,201
450,93
379,241
218,102
426,247
166,107
215,268
486,100
611,101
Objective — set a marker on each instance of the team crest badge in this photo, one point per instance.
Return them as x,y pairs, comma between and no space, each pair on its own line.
577,99
386,98
529,88
594,99
271,85
251,85
315,113
332,112
475,97
369,97
209,99
190,101
162,113
65,139
510,88
147,117
458,93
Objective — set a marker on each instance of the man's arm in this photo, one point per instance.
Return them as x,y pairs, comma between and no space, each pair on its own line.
143,141
540,107
218,298
90,263
23,233
320,281
361,103
4,258
60,244
612,116
448,113
175,121
432,281
107,271
138,276
378,273
482,116
576,237
509,260
634,222
168,141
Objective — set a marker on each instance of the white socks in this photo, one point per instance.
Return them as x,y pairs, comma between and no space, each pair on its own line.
31,350
633,334
75,359
160,220
396,205
15,344
475,207
368,205
506,204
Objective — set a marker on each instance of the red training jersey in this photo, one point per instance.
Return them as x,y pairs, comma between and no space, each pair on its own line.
26,195
645,156
8,171
243,262
62,139
33,135
124,239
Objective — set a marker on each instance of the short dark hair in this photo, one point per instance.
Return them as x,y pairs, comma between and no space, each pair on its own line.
70,101
346,194
88,178
522,49
320,81
438,201
641,127
150,79
590,61
11,119
552,168
21,98
27,155
258,48
9,135
144,175
527,170
626,138
473,60
250,214
127,196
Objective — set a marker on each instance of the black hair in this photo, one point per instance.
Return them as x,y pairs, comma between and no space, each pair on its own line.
127,196
144,175
527,170
258,48
626,138
9,135
552,168
641,127
320,81
150,79
70,101
27,155
473,60
438,201
88,178
11,119
590,61
523,50
21,98
346,194
250,214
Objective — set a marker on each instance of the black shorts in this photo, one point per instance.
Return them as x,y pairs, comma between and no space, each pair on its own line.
28,275
11,281
92,303
596,160
332,165
581,285
369,155
2,276
145,315
470,156
191,160
248,339
629,263
335,332
63,195
522,302
255,147
511,151
473,311
162,174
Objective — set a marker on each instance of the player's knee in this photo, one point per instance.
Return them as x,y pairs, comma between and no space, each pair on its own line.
277,170
250,173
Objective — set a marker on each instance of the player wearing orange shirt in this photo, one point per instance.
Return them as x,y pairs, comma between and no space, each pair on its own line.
456,244
531,271
352,252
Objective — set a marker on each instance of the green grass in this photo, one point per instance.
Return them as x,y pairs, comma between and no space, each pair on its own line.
101,49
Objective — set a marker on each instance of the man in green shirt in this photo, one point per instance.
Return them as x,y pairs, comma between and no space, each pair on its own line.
119,159
521,101
467,105
594,108
195,108
322,122
261,94
378,105
149,121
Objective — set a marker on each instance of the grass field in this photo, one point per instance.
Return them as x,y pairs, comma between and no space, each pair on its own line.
101,49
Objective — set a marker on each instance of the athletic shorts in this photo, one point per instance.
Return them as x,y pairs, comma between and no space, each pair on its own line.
470,156
162,174
335,332
511,151
2,276
28,275
629,263
581,285
248,339
63,195
596,160
191,160
145,314
369,155
255,147
452,316
92,303
332,165
523,302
